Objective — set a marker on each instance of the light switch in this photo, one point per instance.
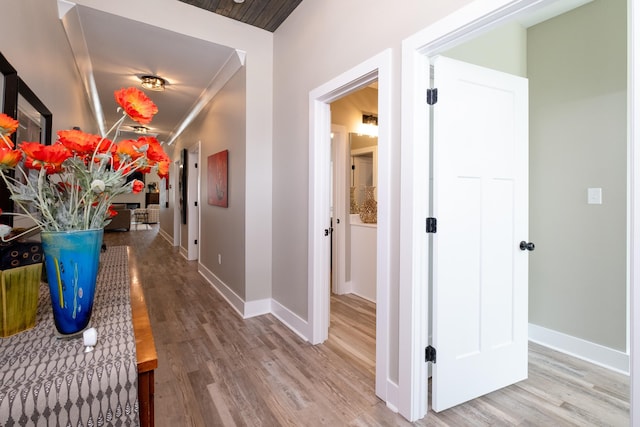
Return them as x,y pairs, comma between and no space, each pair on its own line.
594,196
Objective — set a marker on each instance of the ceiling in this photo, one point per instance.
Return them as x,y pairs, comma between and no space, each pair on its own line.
112,52
265,14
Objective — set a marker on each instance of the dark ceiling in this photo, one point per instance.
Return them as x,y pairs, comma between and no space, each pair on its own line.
265,14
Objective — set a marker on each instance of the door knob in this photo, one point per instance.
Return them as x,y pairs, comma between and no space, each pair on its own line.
524,246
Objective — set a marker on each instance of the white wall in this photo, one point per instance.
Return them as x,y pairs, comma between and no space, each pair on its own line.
34,42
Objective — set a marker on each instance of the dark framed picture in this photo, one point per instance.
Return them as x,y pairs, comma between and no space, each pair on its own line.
217,179
182,184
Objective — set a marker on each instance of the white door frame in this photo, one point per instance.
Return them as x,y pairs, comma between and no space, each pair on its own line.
475,18
377,67
193,201
340,144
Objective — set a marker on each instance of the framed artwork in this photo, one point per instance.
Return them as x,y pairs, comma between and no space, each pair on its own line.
217,179
182,184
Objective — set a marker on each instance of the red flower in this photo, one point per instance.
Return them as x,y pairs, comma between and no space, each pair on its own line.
9,158
136,104
155,153
130,148
137,186
163,169
78,141
8,125
49,157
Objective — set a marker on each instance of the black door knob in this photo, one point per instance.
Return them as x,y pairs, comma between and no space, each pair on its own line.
524,246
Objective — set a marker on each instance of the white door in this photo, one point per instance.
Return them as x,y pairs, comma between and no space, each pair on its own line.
480,200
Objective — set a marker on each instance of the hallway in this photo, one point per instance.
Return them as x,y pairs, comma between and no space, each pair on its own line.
216,369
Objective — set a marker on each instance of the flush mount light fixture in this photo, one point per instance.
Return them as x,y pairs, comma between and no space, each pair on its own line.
370,119
153,82
238,1
140,129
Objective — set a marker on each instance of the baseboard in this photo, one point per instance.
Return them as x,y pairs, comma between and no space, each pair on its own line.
184,253
577,347
225,291
291,320
166,236
257,308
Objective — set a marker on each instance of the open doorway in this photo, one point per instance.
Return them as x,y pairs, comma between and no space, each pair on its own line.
354,176
431,47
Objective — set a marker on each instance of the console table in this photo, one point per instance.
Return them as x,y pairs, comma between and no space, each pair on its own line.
45,380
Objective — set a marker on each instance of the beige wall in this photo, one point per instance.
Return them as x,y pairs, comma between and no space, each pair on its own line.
577,74
34,42
503,49
222,126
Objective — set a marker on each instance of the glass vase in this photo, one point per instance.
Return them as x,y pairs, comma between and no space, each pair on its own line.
71,262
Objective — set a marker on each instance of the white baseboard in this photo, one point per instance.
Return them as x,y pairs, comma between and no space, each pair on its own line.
594,353
225,291
291,320
166,236
257,308
184,253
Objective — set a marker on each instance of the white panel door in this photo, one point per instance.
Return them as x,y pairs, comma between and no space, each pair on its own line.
480,200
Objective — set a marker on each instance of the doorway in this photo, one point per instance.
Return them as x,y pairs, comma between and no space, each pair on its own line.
376,68
417,53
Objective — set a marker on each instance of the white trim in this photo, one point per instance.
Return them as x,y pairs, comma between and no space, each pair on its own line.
166,236
256,308
225,291
460,26
634,210
582,349
378,67
291,320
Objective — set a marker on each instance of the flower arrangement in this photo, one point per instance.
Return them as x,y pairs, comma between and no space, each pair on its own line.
70,185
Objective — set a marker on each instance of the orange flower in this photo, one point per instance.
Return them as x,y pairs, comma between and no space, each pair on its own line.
130,148
111,212
136,104
163,169
78,141
49,157
9,158
155,153
8,125
137,186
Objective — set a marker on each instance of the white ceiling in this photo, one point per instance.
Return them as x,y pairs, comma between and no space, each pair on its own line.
112,52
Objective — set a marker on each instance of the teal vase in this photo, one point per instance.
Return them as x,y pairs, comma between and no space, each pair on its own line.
71,261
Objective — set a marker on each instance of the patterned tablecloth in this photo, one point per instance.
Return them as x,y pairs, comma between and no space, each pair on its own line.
47,381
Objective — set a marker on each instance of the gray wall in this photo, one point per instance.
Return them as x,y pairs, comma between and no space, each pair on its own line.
221,126
577,74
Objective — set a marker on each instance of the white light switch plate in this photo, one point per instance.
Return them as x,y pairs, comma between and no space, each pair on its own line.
594,196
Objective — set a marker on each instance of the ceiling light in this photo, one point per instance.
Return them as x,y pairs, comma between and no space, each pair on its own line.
140,129
153,82
238,1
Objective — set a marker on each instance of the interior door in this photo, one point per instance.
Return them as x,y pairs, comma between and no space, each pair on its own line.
480,200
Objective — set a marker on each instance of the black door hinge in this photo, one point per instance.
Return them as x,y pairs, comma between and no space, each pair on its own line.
195,203
196,165
195,242
432,96
432,225
430,354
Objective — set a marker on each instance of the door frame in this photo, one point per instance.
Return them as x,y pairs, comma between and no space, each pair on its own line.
473,19
339,145
376,68
193,201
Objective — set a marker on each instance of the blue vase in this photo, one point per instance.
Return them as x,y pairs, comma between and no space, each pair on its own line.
71,260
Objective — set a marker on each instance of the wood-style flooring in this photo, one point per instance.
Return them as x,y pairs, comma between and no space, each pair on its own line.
216,369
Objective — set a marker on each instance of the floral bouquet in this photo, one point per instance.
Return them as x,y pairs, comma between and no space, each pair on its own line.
70,185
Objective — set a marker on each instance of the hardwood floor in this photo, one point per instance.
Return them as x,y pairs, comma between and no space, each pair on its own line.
216,369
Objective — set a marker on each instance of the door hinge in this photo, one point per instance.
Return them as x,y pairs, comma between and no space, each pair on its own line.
432,225
430,354
432,96
195,203
195,242
196,165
